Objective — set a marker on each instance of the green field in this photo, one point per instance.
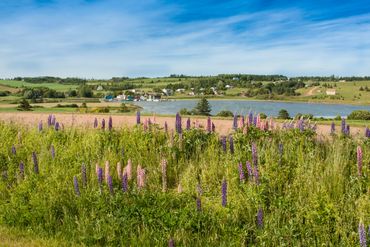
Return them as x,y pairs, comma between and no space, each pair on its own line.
298,191
22,84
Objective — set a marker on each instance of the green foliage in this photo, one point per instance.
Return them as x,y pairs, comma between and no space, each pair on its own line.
203,107
185,111
359,115
283,114
24,106
310,193
225,114
85,91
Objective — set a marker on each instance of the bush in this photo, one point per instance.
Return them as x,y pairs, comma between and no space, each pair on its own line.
67,106
359,115
283,114
263,115
185,111
4,93
225,114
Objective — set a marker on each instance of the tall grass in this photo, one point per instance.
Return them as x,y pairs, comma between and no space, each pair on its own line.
307,192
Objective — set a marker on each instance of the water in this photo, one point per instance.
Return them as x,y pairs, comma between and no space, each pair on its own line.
244,107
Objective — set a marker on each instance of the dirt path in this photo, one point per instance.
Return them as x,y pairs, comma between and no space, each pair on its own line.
310,92
223,126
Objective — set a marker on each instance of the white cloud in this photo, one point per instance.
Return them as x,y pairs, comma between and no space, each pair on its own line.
92,41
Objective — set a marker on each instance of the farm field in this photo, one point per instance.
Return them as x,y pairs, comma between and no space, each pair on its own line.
22,84
182,185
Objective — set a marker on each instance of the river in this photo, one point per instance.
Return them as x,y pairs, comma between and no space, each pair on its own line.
244,106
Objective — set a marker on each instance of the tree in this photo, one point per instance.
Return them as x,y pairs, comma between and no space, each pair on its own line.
85,91
283,114
203,107
24,106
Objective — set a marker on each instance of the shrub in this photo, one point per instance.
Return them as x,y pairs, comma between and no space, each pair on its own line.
359,115
283,114
225,114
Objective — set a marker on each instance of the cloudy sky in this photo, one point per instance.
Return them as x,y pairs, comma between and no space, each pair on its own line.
105,38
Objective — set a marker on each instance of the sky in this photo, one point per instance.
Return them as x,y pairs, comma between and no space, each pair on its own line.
107,38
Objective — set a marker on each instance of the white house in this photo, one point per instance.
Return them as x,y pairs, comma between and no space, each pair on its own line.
330,92
99,88
180,90
167,92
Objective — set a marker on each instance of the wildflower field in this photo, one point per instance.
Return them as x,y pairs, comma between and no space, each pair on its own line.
185,185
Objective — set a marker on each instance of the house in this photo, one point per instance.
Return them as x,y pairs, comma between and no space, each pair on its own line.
167,92
99,88
228,86
180,90
330,92
121,97
108,98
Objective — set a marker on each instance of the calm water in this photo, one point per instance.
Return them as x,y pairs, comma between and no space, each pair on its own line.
243,107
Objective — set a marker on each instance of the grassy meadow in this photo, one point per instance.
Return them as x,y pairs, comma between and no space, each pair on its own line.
146,186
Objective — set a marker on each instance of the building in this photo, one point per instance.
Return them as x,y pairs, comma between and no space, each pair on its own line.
99,88
167,92
330,92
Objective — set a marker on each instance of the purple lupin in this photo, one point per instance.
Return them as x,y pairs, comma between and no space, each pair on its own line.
362,234
250,118
171,243
21,170
256,175
35,163
199,204
165,127
103,124
235,122
281,149
57,126
347,132
40,126
83,174
213,127
260,218
209,125
124,182
343,125
100,176
223,143
178,124
367,132
14,150
75,184
138,117
224,193
249,169
95,123
188,124
110,123
52,151
332,128
241,172
49,120
110,184
231,140
359,161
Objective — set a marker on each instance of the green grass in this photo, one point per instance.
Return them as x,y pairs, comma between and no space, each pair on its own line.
309,192
22,84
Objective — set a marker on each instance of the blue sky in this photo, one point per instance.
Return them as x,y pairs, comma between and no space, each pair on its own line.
105,38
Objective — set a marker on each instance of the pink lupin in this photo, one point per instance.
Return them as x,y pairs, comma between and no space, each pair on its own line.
106,170
119,170
128,169
258,121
